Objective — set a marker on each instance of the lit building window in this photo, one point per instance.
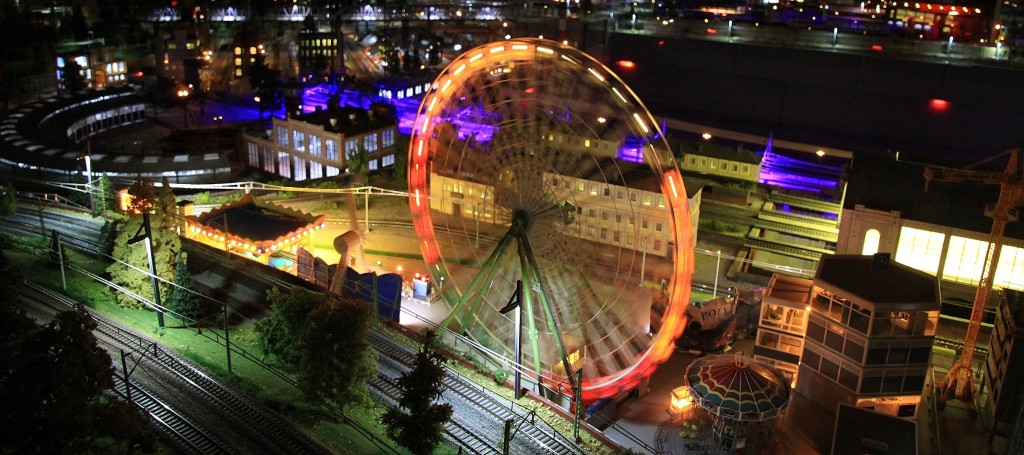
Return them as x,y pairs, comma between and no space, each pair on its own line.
332,150
254,155
314,146
965,259
299,140
283,165
268,160
351,147
1010,272
300,168
282,136
871,238
920,249
238,51
370,143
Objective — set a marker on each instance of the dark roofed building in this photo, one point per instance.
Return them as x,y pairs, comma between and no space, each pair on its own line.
51,136
881,182
862,431
869,335
862,278
942,231
349,121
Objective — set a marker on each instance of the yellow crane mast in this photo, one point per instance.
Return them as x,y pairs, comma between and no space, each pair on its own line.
959,382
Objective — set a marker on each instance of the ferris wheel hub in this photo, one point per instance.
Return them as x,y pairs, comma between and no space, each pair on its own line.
522,220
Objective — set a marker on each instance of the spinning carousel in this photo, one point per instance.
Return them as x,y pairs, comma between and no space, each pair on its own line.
742,397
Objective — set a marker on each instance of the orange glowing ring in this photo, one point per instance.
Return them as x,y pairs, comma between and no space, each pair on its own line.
532,126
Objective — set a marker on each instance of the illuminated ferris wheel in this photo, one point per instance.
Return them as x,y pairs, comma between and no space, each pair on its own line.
534,167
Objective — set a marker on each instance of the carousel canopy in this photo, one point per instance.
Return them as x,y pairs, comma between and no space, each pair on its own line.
737,388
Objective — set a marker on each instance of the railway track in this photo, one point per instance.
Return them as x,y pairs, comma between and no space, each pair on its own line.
485,420
175,428
279,436
81,234
782,249
784,228
172,424
806,203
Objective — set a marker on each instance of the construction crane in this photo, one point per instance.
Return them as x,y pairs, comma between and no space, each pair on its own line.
959,382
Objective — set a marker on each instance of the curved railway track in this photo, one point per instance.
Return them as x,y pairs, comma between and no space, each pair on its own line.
278,436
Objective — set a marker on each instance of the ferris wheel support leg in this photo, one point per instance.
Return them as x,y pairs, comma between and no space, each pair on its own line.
486,272
527,303
576,383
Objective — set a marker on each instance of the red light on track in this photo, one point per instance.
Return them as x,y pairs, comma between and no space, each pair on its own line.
938,105
627,64
529,90
876,47
661,42
712,31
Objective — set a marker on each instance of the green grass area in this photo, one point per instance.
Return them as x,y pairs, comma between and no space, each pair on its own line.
358,432
30,256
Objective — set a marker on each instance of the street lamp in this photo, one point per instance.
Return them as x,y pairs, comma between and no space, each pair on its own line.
146,233
718,271
87,156
514,304
643,261
183,96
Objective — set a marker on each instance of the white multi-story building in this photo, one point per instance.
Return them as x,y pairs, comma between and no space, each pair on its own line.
319,144
630,214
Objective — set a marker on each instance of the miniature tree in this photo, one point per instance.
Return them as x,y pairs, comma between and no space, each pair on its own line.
184,300
419,424
165,241
105,197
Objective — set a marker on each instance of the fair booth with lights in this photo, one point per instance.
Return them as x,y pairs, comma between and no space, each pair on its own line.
257,230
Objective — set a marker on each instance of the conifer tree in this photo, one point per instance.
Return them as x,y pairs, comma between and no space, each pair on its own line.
183,300
419,424
105,198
